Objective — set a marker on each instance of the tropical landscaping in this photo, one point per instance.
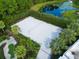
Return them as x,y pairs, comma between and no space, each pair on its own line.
61,13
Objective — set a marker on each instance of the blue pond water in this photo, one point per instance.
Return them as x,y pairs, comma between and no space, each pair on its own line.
66,6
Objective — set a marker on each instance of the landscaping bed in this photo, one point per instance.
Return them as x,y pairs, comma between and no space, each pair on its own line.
31,46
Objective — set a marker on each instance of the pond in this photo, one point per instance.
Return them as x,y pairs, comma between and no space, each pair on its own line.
58,10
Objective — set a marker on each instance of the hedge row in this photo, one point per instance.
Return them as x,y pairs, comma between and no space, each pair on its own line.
59,21
49,18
